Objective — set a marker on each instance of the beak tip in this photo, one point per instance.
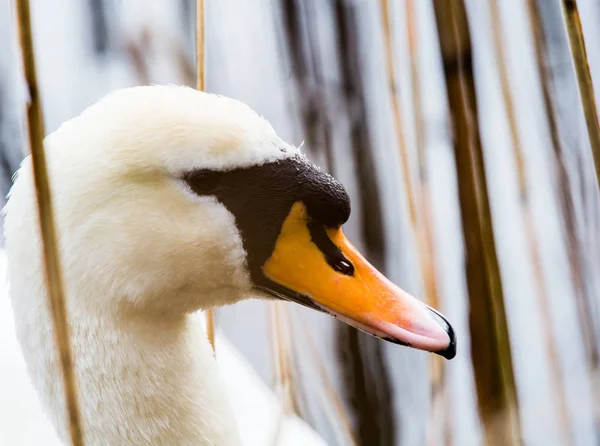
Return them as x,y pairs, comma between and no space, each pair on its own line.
450,351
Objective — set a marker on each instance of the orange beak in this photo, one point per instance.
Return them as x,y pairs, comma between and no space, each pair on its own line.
354,291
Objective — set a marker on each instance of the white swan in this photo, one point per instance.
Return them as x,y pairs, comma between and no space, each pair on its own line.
257,412
168,201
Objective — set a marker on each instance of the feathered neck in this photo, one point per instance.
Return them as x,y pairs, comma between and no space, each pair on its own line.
142,380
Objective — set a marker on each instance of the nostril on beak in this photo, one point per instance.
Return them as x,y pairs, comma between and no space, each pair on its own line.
450,351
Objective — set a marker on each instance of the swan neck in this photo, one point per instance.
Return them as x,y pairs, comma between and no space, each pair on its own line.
141,380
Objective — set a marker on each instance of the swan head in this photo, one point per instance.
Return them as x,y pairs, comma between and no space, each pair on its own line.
172,200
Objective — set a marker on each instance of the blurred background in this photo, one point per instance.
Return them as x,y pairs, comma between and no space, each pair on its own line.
458,129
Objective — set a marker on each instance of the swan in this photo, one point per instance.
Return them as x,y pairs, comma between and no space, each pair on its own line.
168,201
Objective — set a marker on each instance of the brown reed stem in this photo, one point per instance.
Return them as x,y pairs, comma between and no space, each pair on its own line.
302,39
367,383
52,267
281,349
200,46
328,384
576,257
543,301
420,221
565,191
210,327
398,126
280,338
490,350
584,78
200,85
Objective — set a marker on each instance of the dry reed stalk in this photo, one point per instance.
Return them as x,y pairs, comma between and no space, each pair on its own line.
367,378
52,266
136,50
183,62
398,125
543,302
366,374
312,104
200,46
490,342
200,85
302,39
588,102
417,199
575,255
281,342
328,384
431,285
307,77
441,410
584,78
282,358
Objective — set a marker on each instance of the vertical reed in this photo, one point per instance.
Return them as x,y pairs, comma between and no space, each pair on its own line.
440,401
200,46
577,259
588,102
200,85
328,385
301,39
99,25
398,125
301,42
366,373
52,266
417,198
282,357
584,78
543,302
490,343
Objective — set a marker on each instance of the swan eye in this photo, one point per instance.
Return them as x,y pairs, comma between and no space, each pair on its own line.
203,182
334,257
343,266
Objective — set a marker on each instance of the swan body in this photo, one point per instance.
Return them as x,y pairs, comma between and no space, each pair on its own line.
154,190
